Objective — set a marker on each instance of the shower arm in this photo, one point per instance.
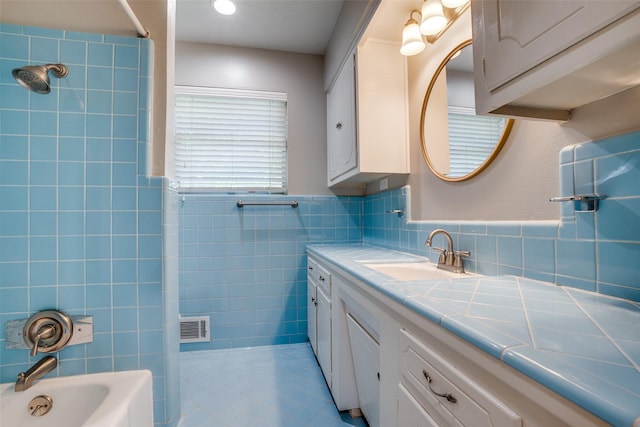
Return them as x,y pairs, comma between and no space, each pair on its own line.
142,32
58,70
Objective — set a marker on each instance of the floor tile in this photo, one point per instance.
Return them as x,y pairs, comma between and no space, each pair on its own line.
271,386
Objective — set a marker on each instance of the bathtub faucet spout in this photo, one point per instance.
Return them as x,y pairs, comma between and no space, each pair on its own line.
40,369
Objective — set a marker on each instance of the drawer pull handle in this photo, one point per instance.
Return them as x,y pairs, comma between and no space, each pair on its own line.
447,396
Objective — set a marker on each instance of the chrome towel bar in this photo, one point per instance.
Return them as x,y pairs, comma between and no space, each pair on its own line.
292,203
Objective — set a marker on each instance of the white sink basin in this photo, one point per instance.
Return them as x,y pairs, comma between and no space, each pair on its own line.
112,399
414,271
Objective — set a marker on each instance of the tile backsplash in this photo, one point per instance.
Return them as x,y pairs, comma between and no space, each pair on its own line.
596,251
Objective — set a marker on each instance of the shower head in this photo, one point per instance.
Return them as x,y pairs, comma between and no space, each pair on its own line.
36,77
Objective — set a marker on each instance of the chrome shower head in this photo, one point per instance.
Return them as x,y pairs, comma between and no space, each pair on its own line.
36,77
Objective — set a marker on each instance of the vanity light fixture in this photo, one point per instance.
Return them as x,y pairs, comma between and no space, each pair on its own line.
433,19
225,7
412,42
436,17
453,4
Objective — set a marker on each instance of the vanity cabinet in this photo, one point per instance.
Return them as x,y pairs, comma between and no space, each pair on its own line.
444,392
365,351
367,121
542,59
419,363
324,334
312,305
319,315
411,413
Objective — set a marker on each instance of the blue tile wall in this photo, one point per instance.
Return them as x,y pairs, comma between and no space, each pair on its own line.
246,267
81,226
596,251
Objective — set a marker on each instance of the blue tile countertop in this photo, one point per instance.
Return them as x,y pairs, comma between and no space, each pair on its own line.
582,345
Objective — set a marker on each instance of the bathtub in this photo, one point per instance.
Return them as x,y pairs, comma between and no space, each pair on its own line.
110,399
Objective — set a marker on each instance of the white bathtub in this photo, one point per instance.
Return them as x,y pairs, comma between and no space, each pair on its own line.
111,399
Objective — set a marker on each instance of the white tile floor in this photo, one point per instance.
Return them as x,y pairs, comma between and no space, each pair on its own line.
272,386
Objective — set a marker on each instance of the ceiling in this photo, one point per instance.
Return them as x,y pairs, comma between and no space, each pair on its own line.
302,26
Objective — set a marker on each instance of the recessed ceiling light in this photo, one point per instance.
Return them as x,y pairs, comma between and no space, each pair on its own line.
225,7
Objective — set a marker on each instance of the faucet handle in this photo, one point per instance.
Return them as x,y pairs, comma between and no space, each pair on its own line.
443,254
458,263
46,332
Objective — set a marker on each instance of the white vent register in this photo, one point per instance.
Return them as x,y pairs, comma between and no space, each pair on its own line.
194,329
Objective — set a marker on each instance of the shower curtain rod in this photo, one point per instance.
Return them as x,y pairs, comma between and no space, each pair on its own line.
142,32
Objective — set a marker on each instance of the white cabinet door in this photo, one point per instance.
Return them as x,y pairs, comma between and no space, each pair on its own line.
366,364
521,34
323,326
342,152
411,413
367,119
541,59
311,314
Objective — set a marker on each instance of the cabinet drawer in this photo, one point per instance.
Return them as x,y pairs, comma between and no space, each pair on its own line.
412,414
468,403
324,280
312,270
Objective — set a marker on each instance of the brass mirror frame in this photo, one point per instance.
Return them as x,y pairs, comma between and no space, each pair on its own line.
503,138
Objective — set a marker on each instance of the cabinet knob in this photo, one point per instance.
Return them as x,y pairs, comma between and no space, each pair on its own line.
447,396
339,125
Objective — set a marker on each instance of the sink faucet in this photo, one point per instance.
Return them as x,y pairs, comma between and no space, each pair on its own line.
40,369
449,259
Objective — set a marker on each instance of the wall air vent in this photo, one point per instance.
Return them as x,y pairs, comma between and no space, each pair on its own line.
194,329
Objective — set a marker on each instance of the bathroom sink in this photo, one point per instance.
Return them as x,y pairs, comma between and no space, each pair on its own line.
414,271
111,399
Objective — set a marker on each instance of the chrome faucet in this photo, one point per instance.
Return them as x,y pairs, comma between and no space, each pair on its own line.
449,259
37,371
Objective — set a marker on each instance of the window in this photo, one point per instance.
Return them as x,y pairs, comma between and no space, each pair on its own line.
471,139
230,140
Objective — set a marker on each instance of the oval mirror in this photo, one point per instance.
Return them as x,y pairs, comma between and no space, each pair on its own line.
468,143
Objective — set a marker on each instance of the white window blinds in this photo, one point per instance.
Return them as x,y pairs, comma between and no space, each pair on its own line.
471,139
230,140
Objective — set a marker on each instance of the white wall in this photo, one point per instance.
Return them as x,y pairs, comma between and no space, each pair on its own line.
520,181
299,75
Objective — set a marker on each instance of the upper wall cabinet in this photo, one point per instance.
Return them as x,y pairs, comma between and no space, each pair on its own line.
541,59
367,130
